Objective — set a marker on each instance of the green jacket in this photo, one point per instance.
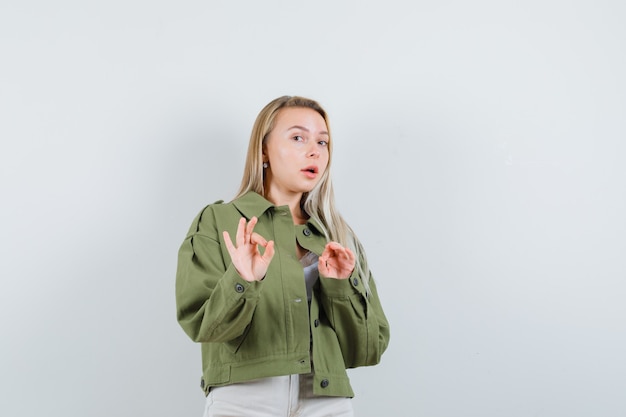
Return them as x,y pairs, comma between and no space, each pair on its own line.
252,330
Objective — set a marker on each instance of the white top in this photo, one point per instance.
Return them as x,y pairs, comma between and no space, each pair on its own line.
311,273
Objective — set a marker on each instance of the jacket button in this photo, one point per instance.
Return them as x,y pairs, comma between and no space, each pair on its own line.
355,281
306,232
239,288
316,323
324,383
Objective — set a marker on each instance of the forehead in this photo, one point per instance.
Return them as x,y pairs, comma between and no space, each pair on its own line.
305,117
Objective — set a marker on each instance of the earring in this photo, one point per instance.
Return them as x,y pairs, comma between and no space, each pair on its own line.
265,164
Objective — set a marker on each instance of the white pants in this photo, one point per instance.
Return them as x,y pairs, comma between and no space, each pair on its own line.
281,396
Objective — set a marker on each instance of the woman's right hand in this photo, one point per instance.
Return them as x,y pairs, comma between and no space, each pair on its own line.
250,264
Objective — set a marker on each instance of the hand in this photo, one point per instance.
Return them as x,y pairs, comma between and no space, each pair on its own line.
250,264
336,261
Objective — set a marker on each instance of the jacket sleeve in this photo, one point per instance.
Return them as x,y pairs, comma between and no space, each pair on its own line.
213,303
358,319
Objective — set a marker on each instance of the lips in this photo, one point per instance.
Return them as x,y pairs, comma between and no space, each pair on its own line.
310,171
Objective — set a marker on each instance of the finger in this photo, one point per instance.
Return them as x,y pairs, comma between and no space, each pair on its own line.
257,239
333,246
345,254
328,250
229,243
351,256
269,252
322,266
240,232
346,261
335,250
250,228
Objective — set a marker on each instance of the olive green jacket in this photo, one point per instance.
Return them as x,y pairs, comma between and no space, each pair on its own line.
252,330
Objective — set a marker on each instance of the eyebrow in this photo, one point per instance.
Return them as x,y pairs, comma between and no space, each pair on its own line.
307,130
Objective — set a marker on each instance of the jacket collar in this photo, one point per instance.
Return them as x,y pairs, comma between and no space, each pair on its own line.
253,204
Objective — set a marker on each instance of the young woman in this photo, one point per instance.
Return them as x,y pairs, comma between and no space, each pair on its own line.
275,284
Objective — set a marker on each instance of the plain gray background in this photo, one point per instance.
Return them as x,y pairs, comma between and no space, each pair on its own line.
479,155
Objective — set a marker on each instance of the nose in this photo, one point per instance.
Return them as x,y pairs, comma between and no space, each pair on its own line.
313,152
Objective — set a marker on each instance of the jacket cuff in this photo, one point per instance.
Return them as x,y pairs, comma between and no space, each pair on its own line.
239,287
338,288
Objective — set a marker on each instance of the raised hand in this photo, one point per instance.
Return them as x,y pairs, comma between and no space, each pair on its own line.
251,265
336,261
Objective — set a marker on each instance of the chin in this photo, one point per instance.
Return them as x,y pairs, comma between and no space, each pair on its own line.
309,189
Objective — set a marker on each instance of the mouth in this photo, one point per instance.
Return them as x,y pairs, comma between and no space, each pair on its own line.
311,171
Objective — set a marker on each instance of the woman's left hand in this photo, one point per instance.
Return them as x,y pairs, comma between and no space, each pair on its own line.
336,261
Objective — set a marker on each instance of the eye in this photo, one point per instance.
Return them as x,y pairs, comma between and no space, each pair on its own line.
298,138
323,142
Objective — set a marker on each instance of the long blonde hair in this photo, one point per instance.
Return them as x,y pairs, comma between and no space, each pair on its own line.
319,203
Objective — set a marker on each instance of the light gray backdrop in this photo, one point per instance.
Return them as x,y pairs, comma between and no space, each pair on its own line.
479,154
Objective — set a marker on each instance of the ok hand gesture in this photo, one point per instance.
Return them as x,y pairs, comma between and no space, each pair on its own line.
336,261
251,265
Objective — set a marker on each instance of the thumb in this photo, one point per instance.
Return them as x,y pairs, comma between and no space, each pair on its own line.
269,252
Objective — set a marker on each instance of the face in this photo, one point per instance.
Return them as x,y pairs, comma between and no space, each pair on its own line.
297,152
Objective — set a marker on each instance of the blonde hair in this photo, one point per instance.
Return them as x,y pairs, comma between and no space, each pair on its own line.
319,203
